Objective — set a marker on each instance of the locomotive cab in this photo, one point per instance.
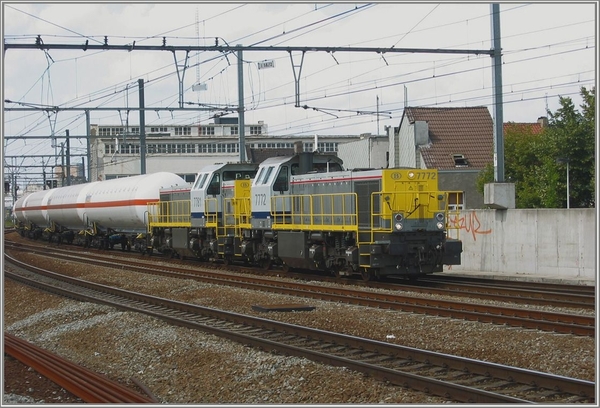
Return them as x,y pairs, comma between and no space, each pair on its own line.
194,225
275,178
206,192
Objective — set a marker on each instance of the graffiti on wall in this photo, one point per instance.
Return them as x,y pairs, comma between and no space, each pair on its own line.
468,222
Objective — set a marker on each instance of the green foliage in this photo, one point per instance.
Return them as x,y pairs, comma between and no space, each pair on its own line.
531,159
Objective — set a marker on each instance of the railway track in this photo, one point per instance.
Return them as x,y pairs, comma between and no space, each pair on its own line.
577,324
455,378
91,387
528,293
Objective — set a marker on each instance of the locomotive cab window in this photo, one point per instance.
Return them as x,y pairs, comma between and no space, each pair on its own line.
214,188
258,178
282,180
200,182
267,175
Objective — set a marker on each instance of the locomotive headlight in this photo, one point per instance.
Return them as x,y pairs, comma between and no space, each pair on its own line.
398,218
439,216
440,225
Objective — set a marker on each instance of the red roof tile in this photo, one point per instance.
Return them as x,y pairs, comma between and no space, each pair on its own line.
467,131
526,128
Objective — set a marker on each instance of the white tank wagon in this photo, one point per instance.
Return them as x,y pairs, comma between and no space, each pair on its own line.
63,206
99,208
32,209
121,204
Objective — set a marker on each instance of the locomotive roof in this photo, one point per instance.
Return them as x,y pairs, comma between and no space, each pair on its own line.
319,158
218,166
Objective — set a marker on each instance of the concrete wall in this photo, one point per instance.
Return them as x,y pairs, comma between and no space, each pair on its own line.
406,147
549,242
370,152
464,180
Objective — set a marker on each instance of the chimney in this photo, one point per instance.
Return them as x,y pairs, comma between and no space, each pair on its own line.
543,121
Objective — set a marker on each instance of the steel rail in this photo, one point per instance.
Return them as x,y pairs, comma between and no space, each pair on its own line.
91,387
518,317
186,315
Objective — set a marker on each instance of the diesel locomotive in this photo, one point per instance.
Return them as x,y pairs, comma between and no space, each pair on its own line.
303,211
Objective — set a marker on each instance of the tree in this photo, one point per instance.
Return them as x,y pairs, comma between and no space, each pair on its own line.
536,162
571,135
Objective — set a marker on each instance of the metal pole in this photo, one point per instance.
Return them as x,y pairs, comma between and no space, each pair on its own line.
497,85
89,154
142,129
68,157
568,205
242,125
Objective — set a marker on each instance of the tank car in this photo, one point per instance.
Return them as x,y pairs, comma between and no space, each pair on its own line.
100,213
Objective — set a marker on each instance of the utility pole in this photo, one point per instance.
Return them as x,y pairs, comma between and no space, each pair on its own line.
242,125
68,157
142,129
88,132
498,103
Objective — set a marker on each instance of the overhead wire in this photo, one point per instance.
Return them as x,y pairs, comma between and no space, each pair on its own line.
280,98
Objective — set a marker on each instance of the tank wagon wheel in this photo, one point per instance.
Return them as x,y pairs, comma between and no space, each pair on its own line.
227,260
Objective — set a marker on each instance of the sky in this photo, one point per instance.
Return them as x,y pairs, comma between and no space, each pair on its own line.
548,51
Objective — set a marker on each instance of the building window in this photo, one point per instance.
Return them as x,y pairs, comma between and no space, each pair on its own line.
207,148
183,131
234,130
206,130
328,147
455,201
135,130
255,130
460,161
158,130
109,148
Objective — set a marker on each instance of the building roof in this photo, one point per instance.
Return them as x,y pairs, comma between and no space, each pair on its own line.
453,132
525,128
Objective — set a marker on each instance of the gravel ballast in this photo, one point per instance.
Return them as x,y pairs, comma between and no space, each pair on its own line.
181,365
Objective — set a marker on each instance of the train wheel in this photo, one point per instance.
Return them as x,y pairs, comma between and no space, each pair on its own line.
265,264
366,274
